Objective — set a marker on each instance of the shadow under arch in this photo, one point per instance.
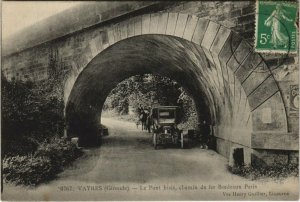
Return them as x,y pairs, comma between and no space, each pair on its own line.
123,60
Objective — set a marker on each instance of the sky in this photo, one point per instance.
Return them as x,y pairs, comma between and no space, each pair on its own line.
17,15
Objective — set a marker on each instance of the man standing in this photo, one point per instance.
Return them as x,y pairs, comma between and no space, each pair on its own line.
143,118
139,112
149,122
205,133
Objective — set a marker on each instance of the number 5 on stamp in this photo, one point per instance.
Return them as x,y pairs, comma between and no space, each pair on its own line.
276,30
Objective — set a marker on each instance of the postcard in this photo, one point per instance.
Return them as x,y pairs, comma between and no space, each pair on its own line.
150,100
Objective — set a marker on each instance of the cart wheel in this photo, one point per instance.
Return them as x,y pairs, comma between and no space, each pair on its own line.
182,146
154,141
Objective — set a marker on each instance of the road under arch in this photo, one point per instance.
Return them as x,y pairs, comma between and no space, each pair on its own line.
168,56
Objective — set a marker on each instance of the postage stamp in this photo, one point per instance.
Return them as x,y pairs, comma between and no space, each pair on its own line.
276,30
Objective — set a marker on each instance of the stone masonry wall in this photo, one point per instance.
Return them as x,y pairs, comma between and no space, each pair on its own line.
240,17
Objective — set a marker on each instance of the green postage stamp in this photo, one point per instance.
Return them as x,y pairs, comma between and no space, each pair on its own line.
276,30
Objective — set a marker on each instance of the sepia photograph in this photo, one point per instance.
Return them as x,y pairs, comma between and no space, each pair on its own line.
150,100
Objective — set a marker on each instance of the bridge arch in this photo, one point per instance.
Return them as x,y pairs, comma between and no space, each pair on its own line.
226,78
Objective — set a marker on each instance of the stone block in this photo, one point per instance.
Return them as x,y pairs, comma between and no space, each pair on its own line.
104,37
162,23
171,23
137,26
248,9
237,134
262,93
154,23
110,34
235,13
88,55
239,56
145,24
275,140
130,28
190,27
268,157
181,24
220,39
210,35
208,39
246,18
217,45
200,31
257,76
123,30
249,64
95,46
117,33
249,27
228,49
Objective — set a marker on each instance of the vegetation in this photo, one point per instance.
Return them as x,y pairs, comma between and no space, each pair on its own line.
277,171
33,150
31,113
149,91
49,159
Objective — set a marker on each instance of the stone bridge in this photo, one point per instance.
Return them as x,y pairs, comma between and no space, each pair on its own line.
204,46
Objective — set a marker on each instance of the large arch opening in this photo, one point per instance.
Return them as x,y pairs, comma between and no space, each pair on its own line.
169,56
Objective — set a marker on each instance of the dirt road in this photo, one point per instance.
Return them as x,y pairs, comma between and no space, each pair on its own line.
126,167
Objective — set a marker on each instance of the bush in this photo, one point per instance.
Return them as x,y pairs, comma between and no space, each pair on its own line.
276,172
59,151
30,114
27,170
48,160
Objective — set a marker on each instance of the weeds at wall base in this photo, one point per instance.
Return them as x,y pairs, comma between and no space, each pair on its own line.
274,172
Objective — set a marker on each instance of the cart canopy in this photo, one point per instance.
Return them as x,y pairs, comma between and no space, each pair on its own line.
165,114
